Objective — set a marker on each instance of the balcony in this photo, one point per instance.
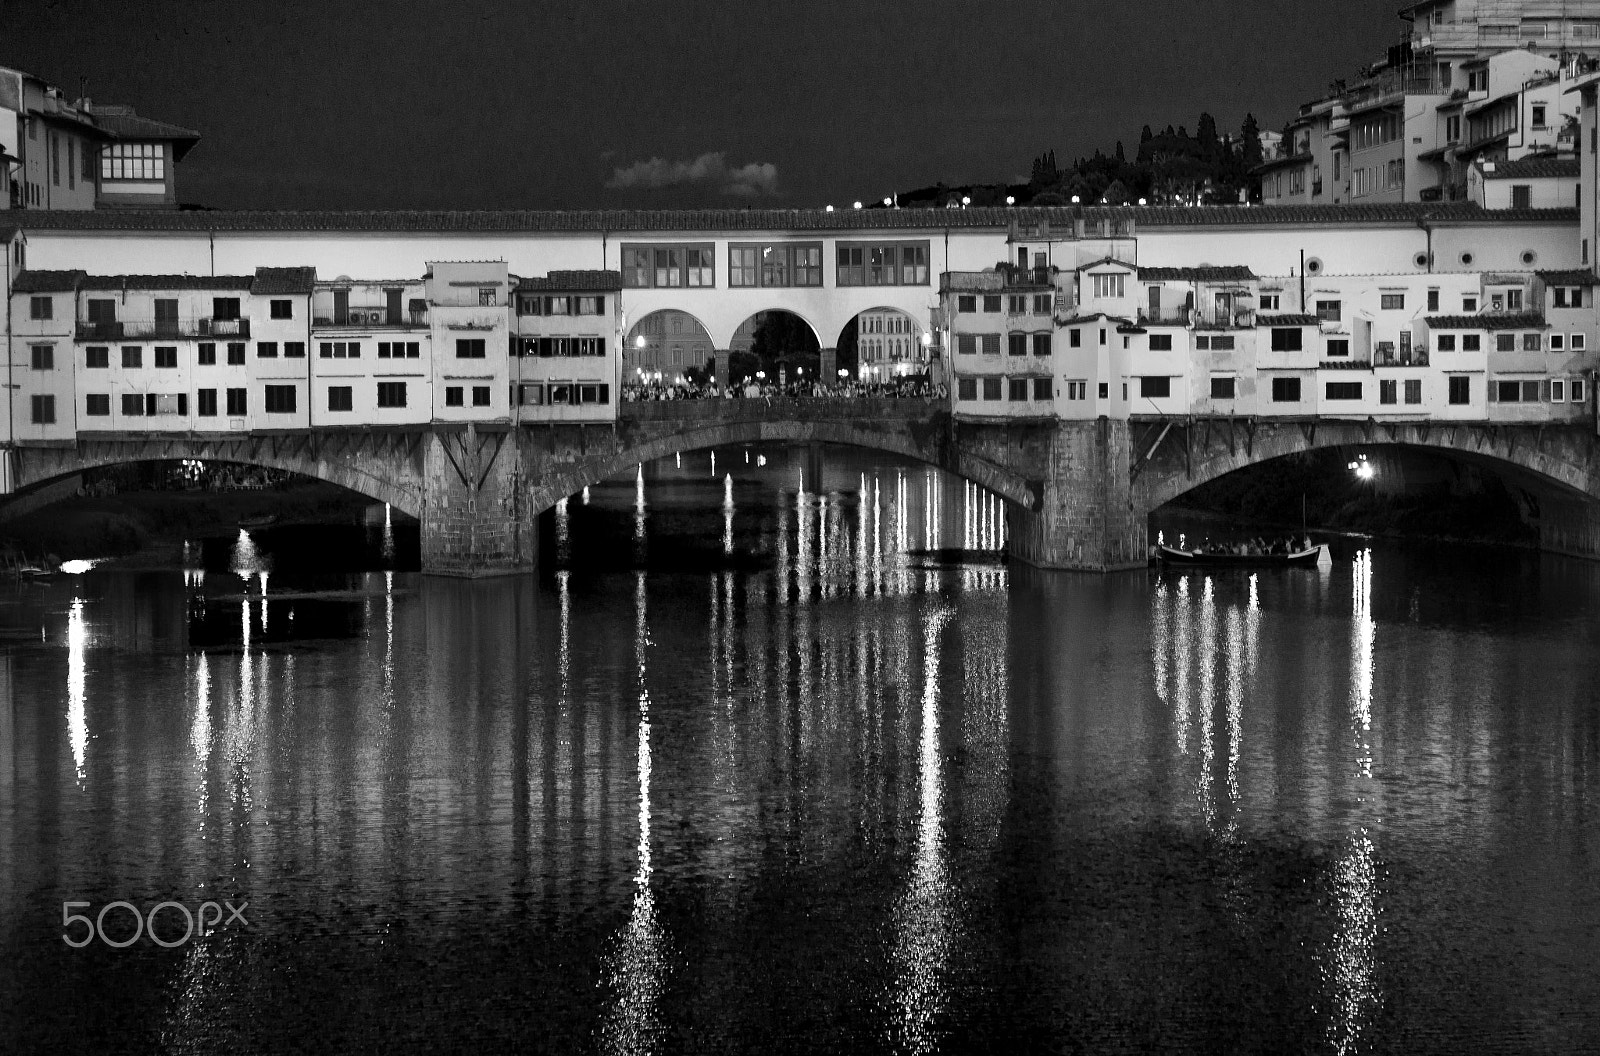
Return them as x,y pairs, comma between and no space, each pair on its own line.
159,329
1385,355
372,317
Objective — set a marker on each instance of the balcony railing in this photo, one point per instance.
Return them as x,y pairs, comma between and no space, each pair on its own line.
157,329
1407,357
376,316
1211,318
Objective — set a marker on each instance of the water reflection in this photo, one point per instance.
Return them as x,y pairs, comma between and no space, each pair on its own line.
77,719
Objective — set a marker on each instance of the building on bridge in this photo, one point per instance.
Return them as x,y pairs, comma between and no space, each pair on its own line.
567,346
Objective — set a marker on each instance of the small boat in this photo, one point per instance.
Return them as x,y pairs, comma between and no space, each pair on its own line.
261,521
1295,559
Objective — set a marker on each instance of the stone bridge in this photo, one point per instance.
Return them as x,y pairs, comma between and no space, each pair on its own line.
1079,493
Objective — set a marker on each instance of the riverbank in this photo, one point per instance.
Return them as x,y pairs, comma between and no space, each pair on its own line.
155,522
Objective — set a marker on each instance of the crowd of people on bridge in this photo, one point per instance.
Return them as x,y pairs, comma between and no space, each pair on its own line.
753,389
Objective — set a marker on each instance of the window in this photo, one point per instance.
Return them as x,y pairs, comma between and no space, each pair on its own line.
1392,301
488,296
668,266
1270,301
530,395
1285,390
1469,304
167,357
391,394
225,308
1532,342
1043,389
991,344
1505,342
1077,390
1155,388
1222,387
1286,339
991,302
1109,285
966,344
1017,304
97,405
966,303
775,264
1041,344
1538,115
1017,389
1471,342
1460,389
593,393
1413,390
294,350
42,410
452,396
1514,391
1043,303
966,388
1558,390
41,307
1338,347
1329,311
480,396
206,354
1452,128
1342,390
1388,391
1575,390
1513,300
236,403
97,357
1558,342
166,404
340,398
991,388
167,313
470,348
1446,342
1433,300
236,353
279,399
207,402
1161,342
43,357
1017,344
266,350
133,161
281,309
132,357
400,349
132,405
1576,342
1076,340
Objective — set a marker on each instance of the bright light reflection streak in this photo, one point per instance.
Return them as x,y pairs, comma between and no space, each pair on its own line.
636,967
1208,697
200,736
1182,638
1352,974
727,514
924,916
262,579
1160,637
77,721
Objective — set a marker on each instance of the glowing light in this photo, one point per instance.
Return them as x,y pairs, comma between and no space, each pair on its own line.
1074,199
1010,200
966,200
829,209
78,567
638,342
858,205
77,721
888,201
1141,201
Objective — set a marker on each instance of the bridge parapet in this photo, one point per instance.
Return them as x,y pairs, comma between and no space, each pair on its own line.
783,408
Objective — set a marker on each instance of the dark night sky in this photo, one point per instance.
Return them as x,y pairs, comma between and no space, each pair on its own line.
677,103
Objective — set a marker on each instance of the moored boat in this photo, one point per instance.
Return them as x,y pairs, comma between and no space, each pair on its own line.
1294,559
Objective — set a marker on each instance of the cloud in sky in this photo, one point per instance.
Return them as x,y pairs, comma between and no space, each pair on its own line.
709,169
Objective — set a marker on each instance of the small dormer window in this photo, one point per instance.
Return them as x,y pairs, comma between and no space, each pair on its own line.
1111,285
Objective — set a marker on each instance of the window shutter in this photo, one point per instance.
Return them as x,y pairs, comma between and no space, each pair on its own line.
183,403
600,305
1494,394
150,403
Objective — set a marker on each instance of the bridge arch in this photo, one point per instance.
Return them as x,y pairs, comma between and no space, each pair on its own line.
886,342
1173,461
372,465
915,439
669,340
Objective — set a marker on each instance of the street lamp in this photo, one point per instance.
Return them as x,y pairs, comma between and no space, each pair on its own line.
828,209
638,342
1363,469
1011,200
965,201
888,201
858,205
1074,199
761,375
843,373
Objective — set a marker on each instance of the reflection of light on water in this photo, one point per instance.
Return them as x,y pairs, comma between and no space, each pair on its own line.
77,720
1350,971
247,559
1208,698
1235,700
200,736
924,915
386,548
761,460
713,463
1160,638
77,567
586,494
677,459
727,514
563,530
638,513
1182,635
637,963
262,579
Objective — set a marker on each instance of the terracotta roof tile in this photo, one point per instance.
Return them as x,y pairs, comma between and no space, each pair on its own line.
573,281
1534,169
1227,273
46,281
1488,321
284,280
1575,277
166,282
1287,320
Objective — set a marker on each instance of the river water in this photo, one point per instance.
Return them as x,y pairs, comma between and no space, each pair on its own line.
737,773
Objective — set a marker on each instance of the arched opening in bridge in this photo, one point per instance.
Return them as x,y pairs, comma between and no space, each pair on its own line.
829,514
196,513
667,347
777,347
884,344
1375,488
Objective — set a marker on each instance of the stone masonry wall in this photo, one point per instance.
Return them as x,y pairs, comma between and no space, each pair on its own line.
472,530
1086,520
